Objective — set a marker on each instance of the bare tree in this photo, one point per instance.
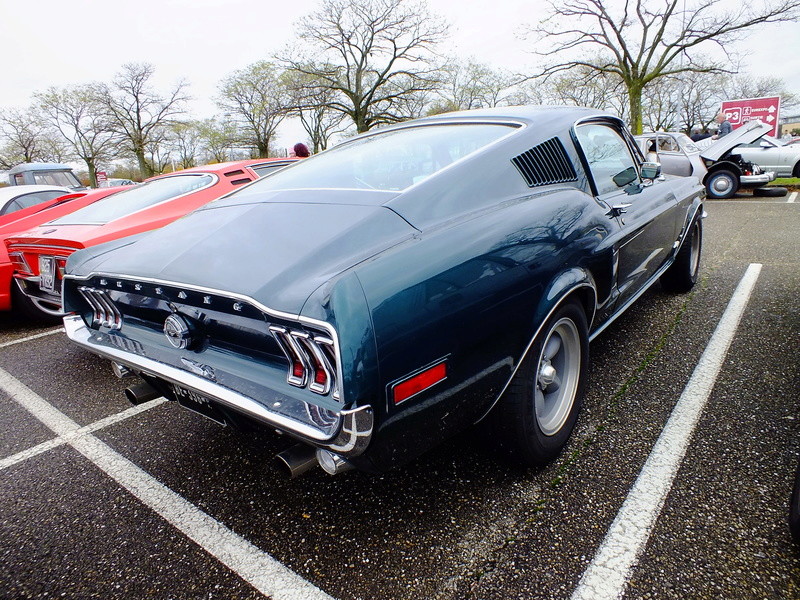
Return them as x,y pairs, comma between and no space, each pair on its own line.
78,114
470,84
362,49
185,141
641,40
581,86
25,137
217,139
311,100
139,114
257,98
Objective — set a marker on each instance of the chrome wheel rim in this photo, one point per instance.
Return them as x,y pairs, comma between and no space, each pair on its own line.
722,185
557,375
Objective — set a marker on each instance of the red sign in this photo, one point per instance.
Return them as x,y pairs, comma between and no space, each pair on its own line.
102,178
739,112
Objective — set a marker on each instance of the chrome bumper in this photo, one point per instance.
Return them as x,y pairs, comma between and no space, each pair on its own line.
756,180
352,435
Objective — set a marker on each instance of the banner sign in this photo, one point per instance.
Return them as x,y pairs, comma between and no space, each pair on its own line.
739,112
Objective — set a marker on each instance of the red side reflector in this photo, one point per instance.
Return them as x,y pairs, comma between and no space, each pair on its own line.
421,381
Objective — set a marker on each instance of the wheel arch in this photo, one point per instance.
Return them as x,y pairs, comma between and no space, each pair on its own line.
572,284
726,165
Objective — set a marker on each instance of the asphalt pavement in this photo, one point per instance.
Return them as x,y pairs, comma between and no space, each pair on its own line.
98,500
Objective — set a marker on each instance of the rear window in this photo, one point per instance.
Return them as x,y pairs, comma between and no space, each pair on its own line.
62,178
390,161
137,198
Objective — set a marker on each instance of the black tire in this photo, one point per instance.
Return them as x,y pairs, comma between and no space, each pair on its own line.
770,192
25,307
794,509
722,184
682,274
532,423
796,170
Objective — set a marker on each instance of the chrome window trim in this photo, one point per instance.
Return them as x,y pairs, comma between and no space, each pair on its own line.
327,327
214,180
19,247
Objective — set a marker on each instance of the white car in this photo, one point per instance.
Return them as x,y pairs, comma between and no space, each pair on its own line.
17,197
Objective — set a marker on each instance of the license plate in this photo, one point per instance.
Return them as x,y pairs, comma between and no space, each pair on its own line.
197,403
47,273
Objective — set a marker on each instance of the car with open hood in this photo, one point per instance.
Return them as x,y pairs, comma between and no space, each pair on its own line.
718,164
376,298
40,254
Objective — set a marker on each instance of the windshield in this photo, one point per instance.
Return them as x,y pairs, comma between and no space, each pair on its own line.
135,199
390,161
686,143
62,178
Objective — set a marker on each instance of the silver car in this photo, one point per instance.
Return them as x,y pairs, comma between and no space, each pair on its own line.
714,162
773,155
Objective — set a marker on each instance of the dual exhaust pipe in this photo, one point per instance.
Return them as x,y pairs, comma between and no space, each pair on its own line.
296,460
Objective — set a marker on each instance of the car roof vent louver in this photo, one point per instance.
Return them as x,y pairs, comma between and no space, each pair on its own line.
545,164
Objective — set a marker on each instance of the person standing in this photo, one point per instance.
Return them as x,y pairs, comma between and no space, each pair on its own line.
725,126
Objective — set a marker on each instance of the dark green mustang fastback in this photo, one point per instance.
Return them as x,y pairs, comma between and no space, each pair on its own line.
383,295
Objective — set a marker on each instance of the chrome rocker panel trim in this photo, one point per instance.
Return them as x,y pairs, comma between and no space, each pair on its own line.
354,431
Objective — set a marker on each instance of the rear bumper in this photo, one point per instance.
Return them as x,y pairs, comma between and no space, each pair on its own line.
350,437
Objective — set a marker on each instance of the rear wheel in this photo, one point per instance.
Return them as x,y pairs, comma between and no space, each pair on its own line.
722,184
33,310
536,415
682,274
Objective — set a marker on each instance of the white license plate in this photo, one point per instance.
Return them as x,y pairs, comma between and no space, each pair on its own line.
47,273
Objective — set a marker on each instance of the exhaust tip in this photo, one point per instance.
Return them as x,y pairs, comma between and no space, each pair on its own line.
297,460
121,371
332,463
141,393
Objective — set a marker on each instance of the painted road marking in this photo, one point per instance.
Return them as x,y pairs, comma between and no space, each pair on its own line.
31,337
256,567
792,198
610,570
64,439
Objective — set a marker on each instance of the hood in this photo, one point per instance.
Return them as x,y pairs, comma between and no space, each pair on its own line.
748,133
276,253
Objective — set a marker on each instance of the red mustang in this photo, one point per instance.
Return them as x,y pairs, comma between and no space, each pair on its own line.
22,220
40,255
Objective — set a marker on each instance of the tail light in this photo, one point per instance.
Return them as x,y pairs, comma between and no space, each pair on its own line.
312,360
19,262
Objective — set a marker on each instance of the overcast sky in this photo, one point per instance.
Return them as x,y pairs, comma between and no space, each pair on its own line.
64,42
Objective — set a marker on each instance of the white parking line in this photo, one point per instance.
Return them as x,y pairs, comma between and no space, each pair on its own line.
31,337
257,568
792,198
65,439
608,574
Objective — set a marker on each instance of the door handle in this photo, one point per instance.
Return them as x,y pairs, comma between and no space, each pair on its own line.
619,209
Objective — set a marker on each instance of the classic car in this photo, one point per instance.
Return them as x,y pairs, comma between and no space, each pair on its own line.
714,162
380,296
40,254
11,296
45,174
773,154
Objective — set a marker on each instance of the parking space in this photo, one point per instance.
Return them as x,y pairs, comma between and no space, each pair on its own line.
162,503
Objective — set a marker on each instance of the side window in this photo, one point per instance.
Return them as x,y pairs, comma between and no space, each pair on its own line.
667,144
30,200
610,162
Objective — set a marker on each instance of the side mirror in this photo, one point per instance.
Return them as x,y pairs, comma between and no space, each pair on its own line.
765,144
651,170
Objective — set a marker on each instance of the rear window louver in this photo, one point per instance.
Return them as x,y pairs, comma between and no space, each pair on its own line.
234,173
241,181
545,164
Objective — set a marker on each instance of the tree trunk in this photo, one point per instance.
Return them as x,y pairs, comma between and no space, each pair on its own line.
635,103
90,164
144,166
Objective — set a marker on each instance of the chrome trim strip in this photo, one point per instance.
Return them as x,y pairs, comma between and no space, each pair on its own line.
43,246
352,438
564,296
327,327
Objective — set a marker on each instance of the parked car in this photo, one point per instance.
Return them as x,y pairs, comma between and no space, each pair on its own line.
718,164
16,200
40,254
45,174
378,297
11,297
773,154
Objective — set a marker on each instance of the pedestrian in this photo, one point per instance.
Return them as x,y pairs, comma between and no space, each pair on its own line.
300,150
698,135
725,126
